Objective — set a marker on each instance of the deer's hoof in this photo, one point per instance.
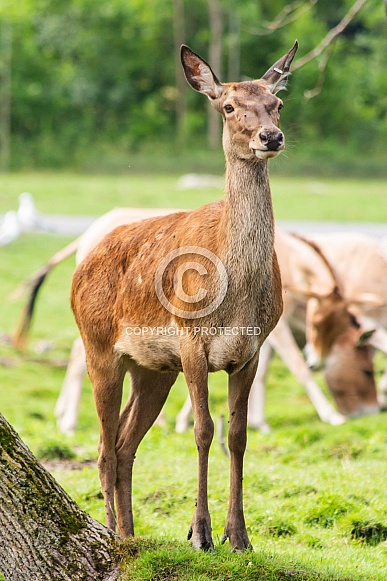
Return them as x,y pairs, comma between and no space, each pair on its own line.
262,427
336,419
200,536
239,541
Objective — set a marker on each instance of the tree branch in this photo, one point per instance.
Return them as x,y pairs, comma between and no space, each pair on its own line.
330,37
322,67
287,15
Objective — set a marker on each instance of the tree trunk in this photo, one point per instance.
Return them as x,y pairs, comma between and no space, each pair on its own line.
44,534
181,98
5,91
234,47
215,58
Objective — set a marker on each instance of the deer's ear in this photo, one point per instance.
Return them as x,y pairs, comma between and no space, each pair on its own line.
304,292
364,338
370,300
277,76
199,74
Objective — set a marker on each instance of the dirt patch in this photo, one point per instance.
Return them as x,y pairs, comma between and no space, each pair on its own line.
52,465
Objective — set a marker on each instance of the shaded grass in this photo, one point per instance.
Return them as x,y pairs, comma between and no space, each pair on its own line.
371,532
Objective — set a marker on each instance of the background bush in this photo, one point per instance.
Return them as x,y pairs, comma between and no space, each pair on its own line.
94,81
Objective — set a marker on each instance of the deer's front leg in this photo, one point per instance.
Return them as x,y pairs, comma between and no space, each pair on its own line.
196,374
238,394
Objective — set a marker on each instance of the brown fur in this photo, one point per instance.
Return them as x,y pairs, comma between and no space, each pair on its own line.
327,318
114,290
327,314
353,385
328,265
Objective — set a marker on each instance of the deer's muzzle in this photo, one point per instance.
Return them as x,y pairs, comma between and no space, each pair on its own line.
273,141
267,143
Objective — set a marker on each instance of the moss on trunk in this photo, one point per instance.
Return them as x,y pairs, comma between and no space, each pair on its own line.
45,535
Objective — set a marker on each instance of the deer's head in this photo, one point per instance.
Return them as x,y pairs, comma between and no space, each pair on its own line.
327,317
349,372
250,109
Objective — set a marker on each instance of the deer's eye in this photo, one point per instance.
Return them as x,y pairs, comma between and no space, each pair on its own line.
280,106
228,108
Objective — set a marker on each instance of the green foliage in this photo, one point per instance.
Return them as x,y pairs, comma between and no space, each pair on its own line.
371,533
55,451
164,561
90,77
327,510
281,529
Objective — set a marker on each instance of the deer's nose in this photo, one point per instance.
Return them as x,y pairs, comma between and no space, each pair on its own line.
272,140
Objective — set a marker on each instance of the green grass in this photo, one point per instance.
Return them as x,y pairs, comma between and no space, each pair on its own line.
294,198
308,486
314,494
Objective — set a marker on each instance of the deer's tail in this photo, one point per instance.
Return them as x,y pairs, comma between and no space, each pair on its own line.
33,285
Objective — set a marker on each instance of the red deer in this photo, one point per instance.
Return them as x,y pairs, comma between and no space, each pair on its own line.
128,282
306,272
66,409
361,262
348,370
359,396
301,264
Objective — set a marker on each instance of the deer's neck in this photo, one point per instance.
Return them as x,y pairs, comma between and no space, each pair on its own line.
248,225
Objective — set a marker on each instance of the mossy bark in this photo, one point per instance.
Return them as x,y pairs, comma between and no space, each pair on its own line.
44,535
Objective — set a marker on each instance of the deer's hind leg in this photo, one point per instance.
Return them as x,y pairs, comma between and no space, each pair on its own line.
66,409
148,394
107,376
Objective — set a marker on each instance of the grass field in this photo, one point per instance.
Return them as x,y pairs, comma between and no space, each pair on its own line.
314,494
294,198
